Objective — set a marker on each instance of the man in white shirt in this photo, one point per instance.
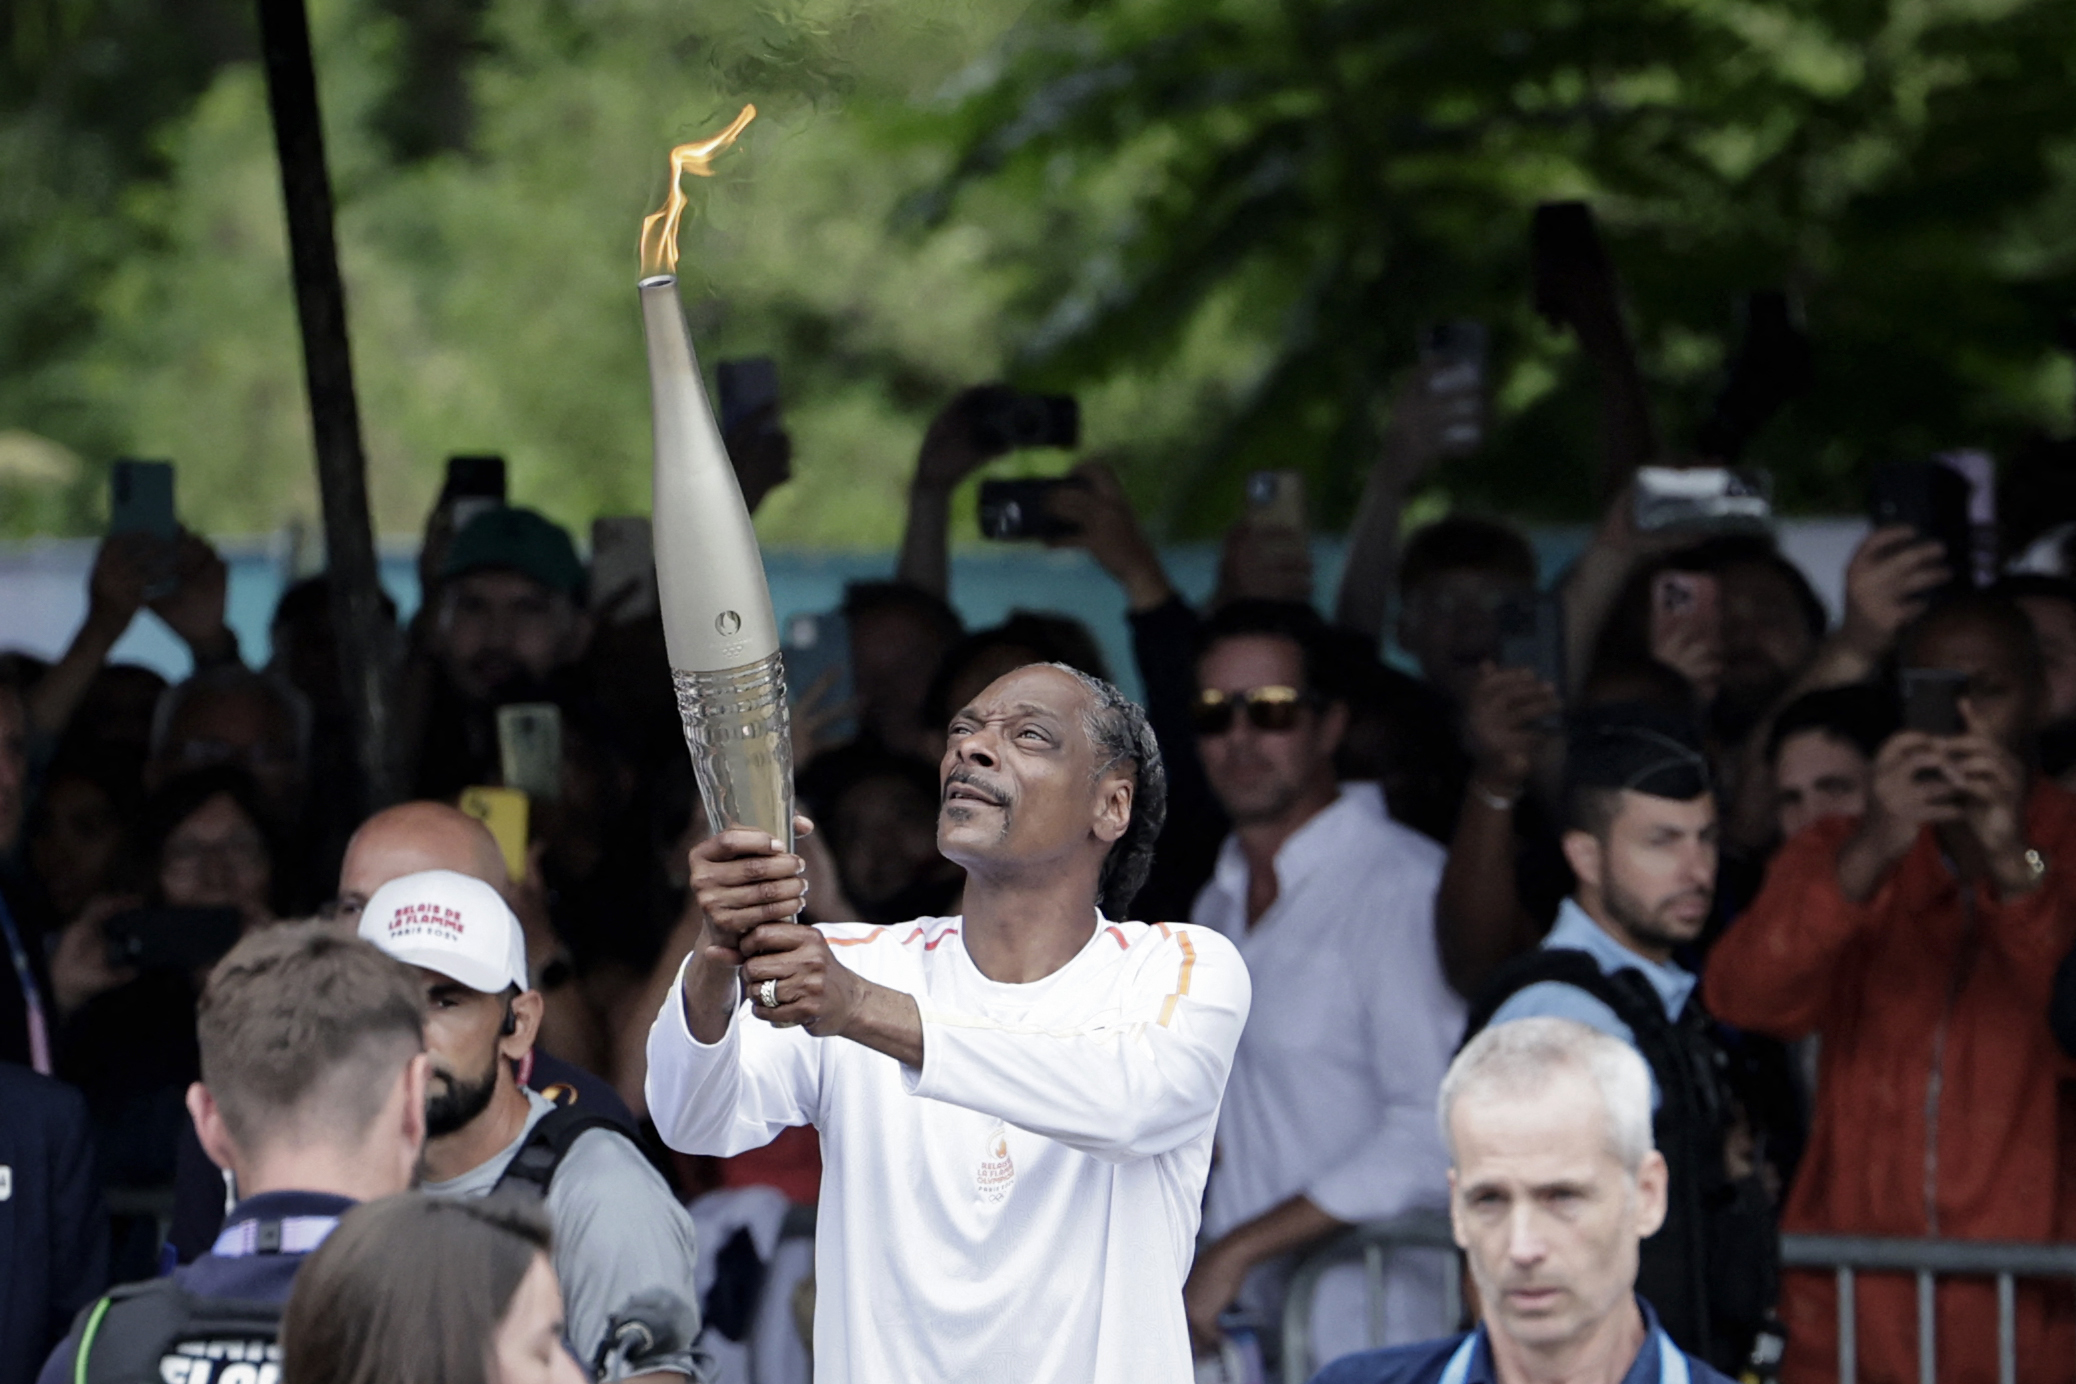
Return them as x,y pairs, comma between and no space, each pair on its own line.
1017,1121
1328,1120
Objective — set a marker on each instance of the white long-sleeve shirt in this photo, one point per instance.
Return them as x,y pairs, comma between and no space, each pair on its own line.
1022,1209
1333,1088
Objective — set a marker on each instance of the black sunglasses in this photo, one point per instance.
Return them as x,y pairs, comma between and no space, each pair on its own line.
1268,708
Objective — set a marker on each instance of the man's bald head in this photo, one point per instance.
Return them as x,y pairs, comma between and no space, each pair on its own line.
411,837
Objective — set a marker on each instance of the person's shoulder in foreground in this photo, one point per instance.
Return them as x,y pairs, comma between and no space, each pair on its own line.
1426,1362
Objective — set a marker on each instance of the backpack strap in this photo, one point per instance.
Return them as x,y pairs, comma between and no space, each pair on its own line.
1662,1041
126,1333
1569,966
534,1166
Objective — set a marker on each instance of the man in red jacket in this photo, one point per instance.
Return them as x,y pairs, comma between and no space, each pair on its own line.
1919,943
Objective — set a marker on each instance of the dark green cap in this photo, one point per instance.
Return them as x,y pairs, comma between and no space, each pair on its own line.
522,541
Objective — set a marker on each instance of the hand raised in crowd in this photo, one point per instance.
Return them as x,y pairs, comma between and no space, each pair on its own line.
953,448
1991,783
761,452
1106,526
1430,420
1693,650
1887,582
194,608
122,572
1264,560
1911,788
79,965
1507,718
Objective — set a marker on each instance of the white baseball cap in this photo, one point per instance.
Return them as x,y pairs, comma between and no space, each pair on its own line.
451,923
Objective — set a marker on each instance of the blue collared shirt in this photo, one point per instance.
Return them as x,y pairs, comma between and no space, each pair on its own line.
1576,930
1424,1362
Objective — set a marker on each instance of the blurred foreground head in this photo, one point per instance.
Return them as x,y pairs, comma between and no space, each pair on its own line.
1553,1180
436,1290
313,1065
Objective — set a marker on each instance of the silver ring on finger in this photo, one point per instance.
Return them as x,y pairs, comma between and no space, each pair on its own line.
767,994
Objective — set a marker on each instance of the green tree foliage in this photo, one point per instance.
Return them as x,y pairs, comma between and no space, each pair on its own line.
1321,177
1220,222
491,286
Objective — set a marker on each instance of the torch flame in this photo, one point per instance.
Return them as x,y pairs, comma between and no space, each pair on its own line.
660,229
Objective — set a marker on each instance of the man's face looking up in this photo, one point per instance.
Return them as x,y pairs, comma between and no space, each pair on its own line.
1020,781
501,630
1261,774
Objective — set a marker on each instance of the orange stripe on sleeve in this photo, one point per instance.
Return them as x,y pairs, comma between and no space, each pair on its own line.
1189,961
872,936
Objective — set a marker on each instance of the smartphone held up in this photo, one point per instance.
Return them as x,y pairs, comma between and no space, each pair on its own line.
140,502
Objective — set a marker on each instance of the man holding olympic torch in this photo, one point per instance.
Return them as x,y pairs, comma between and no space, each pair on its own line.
1016,1105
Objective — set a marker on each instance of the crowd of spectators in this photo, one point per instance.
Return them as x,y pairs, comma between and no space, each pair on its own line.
1838,936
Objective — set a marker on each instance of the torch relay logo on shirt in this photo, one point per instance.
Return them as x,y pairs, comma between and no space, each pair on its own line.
435,920
997,1172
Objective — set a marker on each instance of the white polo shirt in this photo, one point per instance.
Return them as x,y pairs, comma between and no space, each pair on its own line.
1024,1208
1333,1089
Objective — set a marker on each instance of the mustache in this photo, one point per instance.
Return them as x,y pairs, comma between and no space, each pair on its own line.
962,776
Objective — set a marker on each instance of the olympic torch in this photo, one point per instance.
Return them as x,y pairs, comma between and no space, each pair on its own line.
717,619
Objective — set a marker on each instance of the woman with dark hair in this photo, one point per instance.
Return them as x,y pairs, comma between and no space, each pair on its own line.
207,836
127,1032
430,1290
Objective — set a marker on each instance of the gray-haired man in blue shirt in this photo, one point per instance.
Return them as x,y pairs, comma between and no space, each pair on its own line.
1553,1187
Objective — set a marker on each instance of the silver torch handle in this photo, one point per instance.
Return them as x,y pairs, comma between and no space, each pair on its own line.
741,738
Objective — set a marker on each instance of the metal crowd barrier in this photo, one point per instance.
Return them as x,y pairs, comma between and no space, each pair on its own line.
1372,1244
1845,1255
1927,1260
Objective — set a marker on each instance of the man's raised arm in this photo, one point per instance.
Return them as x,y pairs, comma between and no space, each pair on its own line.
1139,1082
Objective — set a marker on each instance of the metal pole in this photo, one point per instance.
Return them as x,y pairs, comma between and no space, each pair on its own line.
365,646
1848,1327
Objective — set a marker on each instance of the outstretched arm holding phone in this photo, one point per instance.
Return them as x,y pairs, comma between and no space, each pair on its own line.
953,449
1479,918
1427,424
126,567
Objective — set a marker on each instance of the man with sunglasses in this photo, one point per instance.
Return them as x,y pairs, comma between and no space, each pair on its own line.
1328,1118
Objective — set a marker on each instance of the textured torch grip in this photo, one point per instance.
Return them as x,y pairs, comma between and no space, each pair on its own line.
741,738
